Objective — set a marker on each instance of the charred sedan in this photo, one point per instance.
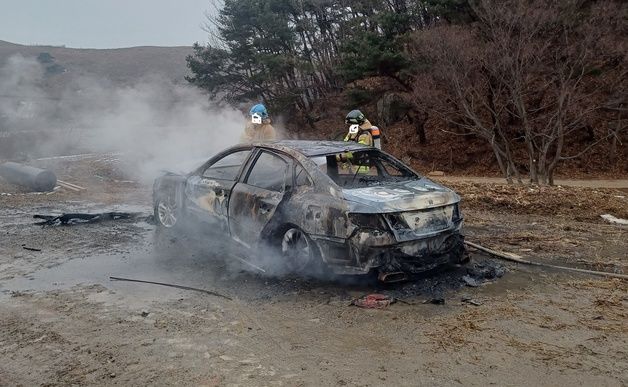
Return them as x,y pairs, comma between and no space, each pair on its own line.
350,208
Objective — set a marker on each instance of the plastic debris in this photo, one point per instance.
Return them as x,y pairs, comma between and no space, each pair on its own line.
373,301
612,219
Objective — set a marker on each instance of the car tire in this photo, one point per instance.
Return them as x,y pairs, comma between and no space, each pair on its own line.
299,251
166,211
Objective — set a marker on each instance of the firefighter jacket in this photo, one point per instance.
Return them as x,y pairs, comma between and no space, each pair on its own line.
364,137
258,133
368,135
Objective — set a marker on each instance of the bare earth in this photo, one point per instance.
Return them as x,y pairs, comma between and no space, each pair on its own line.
63,322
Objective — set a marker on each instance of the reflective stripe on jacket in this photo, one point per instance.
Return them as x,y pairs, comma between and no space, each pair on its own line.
363,137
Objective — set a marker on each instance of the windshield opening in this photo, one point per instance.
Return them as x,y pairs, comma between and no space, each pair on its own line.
363,168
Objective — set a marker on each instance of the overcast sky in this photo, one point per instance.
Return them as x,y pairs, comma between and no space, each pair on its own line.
103,23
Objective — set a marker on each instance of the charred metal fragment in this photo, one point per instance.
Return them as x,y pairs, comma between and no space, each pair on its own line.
78,218
392,277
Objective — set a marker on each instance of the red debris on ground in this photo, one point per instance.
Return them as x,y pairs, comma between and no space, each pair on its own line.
373,301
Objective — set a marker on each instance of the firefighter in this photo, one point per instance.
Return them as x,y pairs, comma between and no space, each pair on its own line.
361,130
258,129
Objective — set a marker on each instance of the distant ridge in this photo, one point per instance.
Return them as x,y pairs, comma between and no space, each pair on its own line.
119,65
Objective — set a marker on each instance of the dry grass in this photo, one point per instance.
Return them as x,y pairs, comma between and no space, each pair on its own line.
583,204
455,332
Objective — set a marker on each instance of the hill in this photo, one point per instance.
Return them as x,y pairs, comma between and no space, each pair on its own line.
120,65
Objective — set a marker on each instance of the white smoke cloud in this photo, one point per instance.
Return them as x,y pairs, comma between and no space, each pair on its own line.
20,88
154,123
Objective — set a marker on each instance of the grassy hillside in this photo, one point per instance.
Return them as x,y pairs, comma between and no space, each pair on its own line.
120,65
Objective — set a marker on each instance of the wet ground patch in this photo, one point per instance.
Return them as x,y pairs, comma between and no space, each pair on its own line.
182,261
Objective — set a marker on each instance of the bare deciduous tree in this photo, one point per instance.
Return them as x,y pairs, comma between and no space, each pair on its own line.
526,73
459,90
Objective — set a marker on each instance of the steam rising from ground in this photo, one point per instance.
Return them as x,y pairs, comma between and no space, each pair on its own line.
154,123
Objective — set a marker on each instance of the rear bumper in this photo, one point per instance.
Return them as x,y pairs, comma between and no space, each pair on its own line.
366,251
416,256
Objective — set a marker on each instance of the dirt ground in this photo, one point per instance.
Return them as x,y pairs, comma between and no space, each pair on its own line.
64,322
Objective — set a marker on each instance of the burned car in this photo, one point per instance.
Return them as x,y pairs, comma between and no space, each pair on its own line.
349,208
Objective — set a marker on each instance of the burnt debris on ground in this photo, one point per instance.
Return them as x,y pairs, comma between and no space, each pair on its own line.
373,301
433,286
481,272
30,248
79,218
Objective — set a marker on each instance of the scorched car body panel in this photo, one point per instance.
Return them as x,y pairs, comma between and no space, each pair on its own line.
356,208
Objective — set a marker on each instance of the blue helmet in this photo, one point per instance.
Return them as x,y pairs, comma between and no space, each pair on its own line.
260,110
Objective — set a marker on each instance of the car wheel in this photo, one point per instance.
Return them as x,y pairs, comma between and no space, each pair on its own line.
166,211
298,250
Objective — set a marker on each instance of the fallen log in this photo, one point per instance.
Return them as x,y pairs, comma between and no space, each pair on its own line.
35,179
517,258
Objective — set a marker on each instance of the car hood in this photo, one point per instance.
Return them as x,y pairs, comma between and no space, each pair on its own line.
399,197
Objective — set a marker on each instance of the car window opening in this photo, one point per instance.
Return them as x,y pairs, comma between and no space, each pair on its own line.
363,168
269,172
227,168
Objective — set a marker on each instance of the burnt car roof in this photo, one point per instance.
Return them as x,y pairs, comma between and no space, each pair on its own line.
311,148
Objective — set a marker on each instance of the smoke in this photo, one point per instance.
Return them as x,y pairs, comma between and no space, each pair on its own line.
20,90
154,123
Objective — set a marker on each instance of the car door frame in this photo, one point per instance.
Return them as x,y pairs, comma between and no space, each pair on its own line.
204,214
288,186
